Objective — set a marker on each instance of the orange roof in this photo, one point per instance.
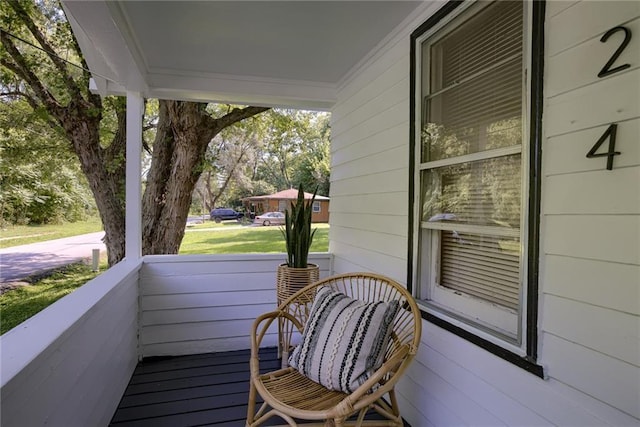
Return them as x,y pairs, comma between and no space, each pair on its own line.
290,194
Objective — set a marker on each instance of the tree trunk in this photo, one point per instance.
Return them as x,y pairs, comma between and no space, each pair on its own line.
107,187
181,139
184,132
207,194
79,113
225,184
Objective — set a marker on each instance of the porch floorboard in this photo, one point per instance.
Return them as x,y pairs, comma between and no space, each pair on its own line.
196,390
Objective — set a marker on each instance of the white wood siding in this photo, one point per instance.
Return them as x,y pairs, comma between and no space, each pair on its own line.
591,216
590,232
369,168
206,303
69,364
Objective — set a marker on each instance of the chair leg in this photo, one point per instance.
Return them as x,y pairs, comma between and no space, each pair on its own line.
339,422
280,336
360,418
389,410
394,402
285,332
251,406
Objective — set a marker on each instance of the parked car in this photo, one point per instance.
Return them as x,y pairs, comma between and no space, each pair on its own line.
222,214
269,218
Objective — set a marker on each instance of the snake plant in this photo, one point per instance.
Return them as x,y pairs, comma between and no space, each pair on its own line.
297,231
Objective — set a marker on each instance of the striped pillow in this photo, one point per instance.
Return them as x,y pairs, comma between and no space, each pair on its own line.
344,340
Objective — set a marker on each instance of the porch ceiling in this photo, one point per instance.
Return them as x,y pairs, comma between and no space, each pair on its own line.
284,53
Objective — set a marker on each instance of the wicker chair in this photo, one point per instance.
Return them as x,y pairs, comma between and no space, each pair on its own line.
292,396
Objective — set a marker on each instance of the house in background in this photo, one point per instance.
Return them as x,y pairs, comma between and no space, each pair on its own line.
486,158
280,201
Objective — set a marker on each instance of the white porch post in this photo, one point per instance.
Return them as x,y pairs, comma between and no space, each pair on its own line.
133,216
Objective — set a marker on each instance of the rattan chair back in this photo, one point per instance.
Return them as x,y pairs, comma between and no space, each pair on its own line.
309,401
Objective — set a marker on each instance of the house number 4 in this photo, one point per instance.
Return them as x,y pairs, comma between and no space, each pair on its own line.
610,133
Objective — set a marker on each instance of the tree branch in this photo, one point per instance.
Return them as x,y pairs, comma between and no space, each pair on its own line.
238,114
230,173
30,100
20,68
94,98
78,51
69,82
115,151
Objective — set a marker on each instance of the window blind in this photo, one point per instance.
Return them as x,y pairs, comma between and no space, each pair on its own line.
487,267
486,192
485,40
474,94
472,102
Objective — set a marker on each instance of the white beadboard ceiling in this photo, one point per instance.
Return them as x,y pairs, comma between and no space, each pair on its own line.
286,53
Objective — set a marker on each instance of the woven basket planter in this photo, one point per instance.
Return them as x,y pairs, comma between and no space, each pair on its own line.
289,281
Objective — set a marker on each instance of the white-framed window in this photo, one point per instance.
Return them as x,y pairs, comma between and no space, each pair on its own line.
470,163
316,206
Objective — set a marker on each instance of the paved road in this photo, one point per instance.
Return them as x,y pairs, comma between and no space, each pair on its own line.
20,262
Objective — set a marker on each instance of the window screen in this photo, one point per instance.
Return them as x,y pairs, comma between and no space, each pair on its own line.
470,165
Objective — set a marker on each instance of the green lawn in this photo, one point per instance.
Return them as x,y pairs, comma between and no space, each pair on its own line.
230,238
19,304
25,234
209,238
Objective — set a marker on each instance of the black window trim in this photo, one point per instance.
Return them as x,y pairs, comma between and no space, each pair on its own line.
528,362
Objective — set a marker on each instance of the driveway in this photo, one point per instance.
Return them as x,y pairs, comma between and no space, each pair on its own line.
19,262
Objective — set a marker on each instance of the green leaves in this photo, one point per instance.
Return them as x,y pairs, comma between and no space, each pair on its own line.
297,230
40,178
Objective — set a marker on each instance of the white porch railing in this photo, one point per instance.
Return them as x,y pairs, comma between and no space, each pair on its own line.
70,364
201,304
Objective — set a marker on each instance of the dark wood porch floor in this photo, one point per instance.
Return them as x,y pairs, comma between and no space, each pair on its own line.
198,390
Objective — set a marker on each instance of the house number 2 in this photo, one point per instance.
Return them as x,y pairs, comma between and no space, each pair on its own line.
610,133
606,70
